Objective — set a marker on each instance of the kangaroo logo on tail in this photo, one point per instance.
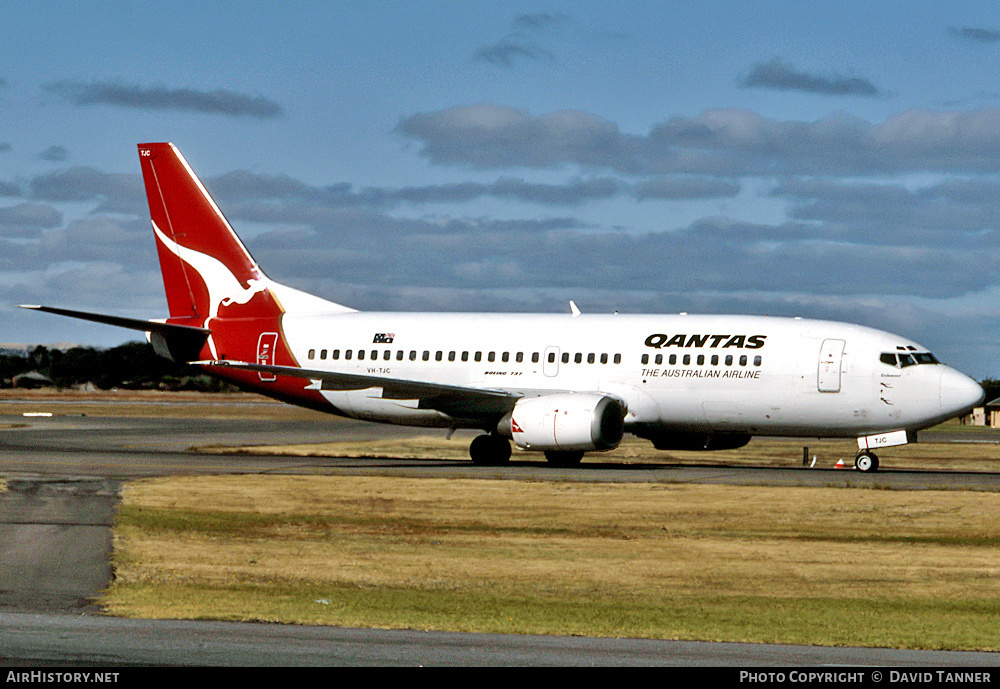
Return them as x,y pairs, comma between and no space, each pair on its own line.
224,289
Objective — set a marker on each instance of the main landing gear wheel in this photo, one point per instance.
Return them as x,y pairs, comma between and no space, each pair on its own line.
489,450
866,461
563,459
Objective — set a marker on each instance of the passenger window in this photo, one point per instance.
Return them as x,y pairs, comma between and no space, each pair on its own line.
335,355
644,359
505,357
743,360
658,359
438,356
479,356
322,354
387,355
361,355
565,357
465,356
552,357
534,357
413,355
715,360
604,358
399,355
426,356
701,359
618,358
687,359
451,356
729,360
757,360
492,356
348,353
673,359
520,357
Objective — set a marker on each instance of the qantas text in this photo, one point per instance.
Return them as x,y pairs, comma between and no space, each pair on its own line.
660,340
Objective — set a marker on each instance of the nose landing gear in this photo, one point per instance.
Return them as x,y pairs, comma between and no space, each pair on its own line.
866,461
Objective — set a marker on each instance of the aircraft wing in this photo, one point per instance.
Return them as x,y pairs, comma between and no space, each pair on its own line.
454,400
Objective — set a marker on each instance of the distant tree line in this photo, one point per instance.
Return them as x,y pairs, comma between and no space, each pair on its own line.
131,366
992,389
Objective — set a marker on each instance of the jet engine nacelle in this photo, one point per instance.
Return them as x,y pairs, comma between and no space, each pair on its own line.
566,422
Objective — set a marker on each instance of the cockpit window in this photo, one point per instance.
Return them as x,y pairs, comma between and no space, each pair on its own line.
904,360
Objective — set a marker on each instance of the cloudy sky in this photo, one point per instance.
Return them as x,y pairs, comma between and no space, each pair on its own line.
824,159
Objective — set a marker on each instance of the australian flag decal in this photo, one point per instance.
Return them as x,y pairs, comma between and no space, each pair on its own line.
383,338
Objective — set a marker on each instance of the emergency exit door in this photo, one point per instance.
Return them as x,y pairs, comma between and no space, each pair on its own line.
265,353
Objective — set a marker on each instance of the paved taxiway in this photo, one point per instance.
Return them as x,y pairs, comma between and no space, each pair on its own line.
64,474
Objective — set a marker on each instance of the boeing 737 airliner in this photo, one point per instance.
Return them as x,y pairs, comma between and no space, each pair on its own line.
558,384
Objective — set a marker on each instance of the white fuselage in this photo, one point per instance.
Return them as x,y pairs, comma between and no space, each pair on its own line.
744,374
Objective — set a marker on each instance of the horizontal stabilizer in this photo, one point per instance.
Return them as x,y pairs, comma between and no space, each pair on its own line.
173,341
121,321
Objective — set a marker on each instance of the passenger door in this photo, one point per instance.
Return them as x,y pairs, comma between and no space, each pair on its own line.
831,355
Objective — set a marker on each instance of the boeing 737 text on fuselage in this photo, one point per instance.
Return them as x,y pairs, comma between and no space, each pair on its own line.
559,384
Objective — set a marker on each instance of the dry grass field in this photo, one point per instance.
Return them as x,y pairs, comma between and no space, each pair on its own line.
915,569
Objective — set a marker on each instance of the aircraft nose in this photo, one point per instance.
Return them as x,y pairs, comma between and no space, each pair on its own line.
959,393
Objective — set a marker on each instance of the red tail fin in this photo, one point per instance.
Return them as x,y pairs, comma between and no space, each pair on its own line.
207,272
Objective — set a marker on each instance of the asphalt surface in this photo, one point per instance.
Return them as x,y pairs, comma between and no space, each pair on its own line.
64,476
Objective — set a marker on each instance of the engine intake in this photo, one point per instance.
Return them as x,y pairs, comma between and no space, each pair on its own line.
566,422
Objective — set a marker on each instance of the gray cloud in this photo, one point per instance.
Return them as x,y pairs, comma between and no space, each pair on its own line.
522,41
780,75
27,219
116,192
731,257
505,52
493,136
728,143
217,102
243,186
55,154
677,188
961,214
975,34
540,22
